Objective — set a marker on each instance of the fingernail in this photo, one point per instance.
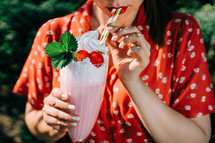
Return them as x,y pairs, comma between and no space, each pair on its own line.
76,118
64,96
73,124
109,28
114,38
121,45
71,107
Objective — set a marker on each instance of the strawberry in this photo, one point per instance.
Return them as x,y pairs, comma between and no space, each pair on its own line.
96,58
82,54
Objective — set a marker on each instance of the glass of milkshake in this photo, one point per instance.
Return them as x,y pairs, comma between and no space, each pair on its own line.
85,83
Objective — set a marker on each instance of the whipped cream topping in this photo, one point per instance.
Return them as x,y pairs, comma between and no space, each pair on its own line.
89,41
83,72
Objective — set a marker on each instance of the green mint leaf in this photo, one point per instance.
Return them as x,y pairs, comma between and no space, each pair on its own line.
60,62
55,50
68,58
57,63
62,53
74,44
69,41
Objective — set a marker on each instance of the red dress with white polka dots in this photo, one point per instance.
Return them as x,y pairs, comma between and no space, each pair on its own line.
177,73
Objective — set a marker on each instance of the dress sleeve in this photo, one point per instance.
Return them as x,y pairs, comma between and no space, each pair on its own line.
36,75
192,90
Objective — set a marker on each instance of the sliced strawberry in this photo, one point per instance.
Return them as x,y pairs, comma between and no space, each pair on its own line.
96,58
82,54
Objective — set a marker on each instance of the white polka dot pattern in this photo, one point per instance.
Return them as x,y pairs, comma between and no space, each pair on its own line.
177,73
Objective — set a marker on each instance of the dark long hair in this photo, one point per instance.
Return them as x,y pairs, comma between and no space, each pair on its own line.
157,17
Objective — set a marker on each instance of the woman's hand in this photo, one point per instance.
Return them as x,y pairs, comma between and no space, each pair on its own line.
57,112
130,52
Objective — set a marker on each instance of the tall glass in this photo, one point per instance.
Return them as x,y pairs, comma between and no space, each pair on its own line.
85,84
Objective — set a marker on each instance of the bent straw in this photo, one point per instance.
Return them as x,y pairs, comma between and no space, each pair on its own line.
110,22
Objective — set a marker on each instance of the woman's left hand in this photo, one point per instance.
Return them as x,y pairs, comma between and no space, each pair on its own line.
130,52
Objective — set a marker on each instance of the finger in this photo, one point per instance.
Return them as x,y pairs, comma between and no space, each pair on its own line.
138,40
147,47
118,32
57,123
127,30
140,54
57,103
133,38
56,92
113,30
130,51
126,35
53,122
59,114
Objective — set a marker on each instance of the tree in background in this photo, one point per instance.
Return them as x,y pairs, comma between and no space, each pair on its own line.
19,21
191,4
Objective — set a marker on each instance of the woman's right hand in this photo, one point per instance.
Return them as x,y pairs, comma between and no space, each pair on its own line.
57,111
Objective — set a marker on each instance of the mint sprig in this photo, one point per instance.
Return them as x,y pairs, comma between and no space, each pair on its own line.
62,53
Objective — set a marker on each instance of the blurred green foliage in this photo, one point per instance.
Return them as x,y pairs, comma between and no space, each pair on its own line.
189,5
19,21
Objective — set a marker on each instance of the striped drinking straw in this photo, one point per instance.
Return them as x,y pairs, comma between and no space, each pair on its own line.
110,22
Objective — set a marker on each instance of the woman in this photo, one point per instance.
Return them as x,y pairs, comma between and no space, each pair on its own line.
157,91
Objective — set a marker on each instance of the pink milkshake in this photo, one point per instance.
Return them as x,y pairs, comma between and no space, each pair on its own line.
85,83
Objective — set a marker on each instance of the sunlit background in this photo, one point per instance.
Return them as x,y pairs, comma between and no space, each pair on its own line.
19,21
